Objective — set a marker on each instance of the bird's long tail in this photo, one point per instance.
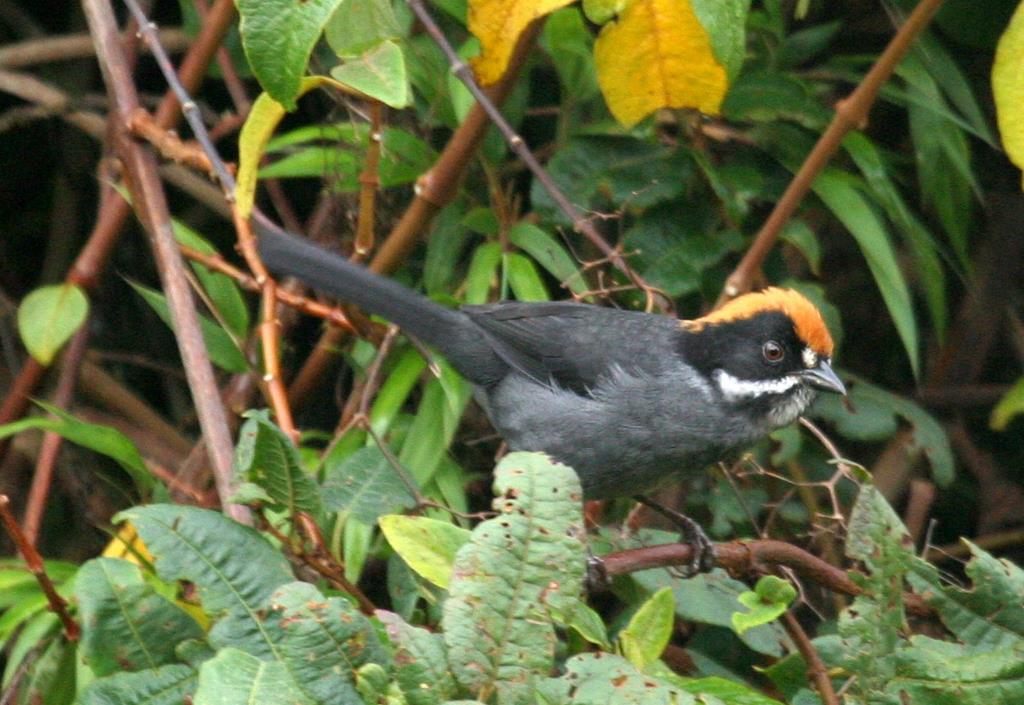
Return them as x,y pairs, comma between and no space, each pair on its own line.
449,331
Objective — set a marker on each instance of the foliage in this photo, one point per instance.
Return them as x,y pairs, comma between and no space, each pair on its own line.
674,126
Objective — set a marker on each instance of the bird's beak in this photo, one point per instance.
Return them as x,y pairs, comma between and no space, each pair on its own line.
824,377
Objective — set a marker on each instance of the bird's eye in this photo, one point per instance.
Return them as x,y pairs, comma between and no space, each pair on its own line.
772,351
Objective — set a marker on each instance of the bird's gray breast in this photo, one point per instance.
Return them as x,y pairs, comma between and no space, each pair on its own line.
631,432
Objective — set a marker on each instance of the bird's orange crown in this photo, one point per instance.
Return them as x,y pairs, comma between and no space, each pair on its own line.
806,318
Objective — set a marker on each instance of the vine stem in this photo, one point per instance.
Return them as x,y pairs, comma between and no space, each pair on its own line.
851,113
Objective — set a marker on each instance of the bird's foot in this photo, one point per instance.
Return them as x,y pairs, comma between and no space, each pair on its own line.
703,550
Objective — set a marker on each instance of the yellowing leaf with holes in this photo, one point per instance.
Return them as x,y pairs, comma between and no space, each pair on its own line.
657,55
1008,87
498,24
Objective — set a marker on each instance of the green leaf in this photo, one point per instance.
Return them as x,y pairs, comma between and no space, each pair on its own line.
725,22
798,234
323,642
126,625
101,439
266,457
524,278
607,678
404,157
870,413
233,567
278,37
365,485
427,545
172,684
708,598
359,25
221,289
549,254
923,246
379,73
34,634
358,538
761,96
943,156
48,317
852,209
1011,405
649,629
988,616
498,633
223,350
729,692
769,599
421,662
582,618
482,269
52,677
602,11
437,419
234,677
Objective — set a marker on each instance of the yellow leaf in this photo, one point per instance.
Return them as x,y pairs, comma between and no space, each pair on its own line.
264,117
1008,87
498,24
127,545
657,55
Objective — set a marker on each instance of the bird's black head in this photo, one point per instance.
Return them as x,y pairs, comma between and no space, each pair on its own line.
765,353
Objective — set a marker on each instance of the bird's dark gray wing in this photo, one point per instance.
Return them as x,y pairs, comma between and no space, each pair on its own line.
574,345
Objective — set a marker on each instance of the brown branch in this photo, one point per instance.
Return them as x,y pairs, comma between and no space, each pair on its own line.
71,46
34,562
168,143
655,297
369,182
750,558
323,562
113,212
817,673
851,114
150,201
269,329
49,452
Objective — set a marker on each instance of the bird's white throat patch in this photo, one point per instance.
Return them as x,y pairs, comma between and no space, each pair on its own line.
734,388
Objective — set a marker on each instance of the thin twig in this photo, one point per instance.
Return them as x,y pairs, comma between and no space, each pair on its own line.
655,297
851,114
269,329
150,201
216,263
34,562
71,46
816,670
71,363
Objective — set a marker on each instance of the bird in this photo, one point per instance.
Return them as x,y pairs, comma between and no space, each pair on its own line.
628,399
